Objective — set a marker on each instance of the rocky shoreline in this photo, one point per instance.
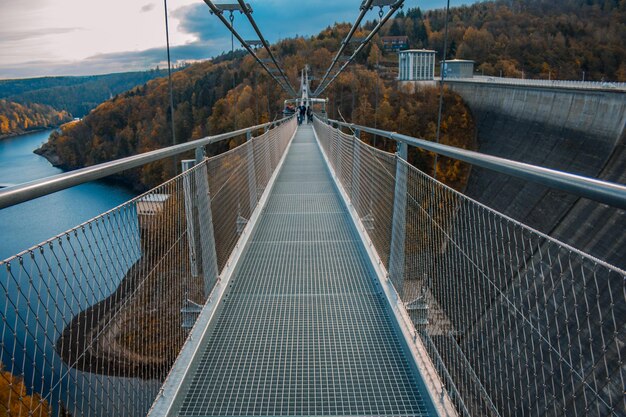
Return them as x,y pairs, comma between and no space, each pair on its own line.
56,161
51,156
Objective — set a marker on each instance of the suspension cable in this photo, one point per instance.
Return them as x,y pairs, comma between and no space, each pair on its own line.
248,14
169,77
364,9
369,37
441,82
217,12
232,54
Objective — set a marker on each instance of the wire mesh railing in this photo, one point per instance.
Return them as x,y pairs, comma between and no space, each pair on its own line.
93,319
515,322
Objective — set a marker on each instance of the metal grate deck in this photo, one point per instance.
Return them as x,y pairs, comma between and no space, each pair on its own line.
303,330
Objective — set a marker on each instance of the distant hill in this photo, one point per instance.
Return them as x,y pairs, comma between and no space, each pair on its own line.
16,118
76,95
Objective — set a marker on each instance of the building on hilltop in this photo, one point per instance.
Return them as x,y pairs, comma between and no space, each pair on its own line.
395,43
416,65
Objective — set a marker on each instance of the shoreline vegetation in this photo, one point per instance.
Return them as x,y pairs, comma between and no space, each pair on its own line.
28,132
17,118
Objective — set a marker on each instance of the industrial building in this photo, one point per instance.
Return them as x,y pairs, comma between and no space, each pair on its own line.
458,68
416,64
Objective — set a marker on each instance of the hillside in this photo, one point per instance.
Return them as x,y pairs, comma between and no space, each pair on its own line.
539,37
76,95
535,38
16,118
205,103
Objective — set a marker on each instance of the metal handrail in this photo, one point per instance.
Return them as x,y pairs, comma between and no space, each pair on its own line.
20,193
602,191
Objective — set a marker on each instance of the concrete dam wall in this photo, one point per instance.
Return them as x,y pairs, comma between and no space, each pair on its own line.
578,131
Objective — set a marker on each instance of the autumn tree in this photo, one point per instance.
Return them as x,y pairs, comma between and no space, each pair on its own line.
15,400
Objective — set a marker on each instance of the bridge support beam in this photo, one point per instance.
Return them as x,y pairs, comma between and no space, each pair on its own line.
398,225
251,172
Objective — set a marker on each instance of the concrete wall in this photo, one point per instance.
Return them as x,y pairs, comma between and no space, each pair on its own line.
571,130
577,131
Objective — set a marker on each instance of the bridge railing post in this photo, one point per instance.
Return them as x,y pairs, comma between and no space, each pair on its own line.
210,270
191,217
356,169
266,155
398,224
338,139
251,172
199,154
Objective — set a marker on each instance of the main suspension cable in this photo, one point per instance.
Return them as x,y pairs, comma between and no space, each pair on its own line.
232,54
441,82
369,37
169,75
364,9
248,14
217,12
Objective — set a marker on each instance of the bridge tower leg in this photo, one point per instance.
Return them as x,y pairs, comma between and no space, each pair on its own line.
398,225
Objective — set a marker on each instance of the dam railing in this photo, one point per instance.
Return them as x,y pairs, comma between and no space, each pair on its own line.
526,82
517,323
94,318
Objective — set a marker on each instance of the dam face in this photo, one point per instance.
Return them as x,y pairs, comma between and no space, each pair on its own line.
573,130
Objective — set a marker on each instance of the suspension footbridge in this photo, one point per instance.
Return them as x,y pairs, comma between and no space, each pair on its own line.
306,273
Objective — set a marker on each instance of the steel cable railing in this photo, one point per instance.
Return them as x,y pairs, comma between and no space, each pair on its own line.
515,322
93,319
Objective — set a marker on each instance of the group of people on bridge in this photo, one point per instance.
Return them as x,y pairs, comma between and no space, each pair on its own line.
304,112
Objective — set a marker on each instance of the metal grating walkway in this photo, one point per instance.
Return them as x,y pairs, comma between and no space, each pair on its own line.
303,329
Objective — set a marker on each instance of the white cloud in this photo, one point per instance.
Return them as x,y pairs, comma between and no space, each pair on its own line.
68,34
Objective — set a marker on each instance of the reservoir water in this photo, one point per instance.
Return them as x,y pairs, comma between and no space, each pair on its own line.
30,223
31,353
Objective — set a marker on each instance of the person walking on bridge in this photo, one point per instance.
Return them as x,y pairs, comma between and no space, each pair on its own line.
309,114
302,111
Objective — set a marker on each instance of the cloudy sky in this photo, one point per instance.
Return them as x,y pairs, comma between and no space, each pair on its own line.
80,37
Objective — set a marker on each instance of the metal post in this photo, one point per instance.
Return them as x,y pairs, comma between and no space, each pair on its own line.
356,169
199,154
210,271
268,154
398,225
190,217
251,172
338,154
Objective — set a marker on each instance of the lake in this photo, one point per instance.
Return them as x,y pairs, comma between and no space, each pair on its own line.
33,222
